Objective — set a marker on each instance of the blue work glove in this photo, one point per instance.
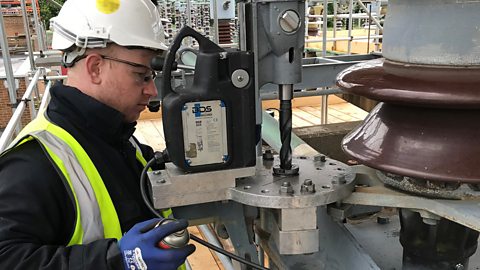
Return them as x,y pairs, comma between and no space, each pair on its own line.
140,250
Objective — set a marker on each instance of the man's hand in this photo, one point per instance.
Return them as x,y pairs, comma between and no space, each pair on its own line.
139,246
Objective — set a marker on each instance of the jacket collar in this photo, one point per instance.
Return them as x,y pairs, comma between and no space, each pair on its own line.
85,112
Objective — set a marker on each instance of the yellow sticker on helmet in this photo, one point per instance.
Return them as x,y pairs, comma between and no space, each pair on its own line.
108,6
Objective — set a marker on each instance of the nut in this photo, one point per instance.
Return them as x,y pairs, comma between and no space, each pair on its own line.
286,188
340,179
308,186
161,181
268,155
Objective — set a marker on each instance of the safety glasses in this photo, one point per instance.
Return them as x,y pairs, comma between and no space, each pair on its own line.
143,77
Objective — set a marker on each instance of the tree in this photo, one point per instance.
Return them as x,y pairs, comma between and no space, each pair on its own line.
49,9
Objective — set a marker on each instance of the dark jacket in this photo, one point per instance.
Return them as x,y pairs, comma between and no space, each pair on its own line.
37,216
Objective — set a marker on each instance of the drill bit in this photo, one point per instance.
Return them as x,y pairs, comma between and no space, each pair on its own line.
286,134
286,93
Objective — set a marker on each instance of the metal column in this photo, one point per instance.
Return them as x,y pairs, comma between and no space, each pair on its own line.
324,28
27,34
7,62
350,11
38,26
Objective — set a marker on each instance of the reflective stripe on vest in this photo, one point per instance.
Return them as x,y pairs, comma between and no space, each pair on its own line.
96,217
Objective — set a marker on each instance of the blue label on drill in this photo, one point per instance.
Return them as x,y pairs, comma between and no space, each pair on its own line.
196,110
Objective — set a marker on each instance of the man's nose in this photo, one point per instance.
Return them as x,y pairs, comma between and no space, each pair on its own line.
150,89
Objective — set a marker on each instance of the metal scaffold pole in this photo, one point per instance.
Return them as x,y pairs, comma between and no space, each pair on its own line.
7,62
38,27
30,49
334,23
27,34
216,38
350,13
324,28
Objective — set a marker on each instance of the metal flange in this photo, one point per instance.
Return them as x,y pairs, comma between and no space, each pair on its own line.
318,183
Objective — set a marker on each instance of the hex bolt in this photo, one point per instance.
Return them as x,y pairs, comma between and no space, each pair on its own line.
286,188
240,78
267,155
308,186
340,180
459,267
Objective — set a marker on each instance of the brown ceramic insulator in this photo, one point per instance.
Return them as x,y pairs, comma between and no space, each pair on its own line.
225,31
424,143
414,85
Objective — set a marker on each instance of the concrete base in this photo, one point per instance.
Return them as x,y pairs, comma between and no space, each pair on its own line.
327,139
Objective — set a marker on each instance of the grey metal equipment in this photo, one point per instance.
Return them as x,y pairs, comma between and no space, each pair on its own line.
372,191
316,72
277,40
282,194
292,205
295,198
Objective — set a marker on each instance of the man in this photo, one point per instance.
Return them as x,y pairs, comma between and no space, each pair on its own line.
69,184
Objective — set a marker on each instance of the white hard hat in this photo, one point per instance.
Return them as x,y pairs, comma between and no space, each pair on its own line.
95,23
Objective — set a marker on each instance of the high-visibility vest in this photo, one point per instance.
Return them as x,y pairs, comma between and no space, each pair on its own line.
96,217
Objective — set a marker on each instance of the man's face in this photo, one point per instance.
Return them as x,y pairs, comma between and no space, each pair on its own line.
128,83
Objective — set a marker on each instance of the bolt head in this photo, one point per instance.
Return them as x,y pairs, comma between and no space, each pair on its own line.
268,155
340,180
286,188
307,188
308,182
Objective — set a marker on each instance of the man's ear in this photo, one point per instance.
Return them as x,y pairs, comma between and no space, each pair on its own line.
93,65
